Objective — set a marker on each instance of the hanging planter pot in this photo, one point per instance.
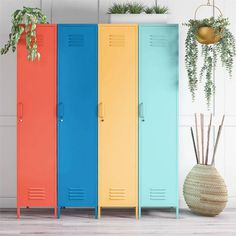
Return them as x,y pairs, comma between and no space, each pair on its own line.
208,35
211,34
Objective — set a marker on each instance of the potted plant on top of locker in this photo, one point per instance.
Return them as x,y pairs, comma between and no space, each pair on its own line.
134,12
25,21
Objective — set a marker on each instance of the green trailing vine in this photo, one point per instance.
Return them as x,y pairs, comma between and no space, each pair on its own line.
24,21
225,50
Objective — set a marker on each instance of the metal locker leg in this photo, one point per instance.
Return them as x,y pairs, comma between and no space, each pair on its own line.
99,213
177,212
139,212
55,212
136,213
96,212
18,212
58,212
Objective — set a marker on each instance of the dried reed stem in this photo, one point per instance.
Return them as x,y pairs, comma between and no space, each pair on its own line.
208,140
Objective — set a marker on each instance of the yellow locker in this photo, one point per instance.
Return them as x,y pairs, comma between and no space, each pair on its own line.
118,112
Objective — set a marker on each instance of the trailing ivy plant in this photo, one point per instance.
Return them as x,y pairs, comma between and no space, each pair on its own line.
225,50
24,21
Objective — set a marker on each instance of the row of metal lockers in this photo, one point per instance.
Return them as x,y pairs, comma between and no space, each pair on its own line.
97,119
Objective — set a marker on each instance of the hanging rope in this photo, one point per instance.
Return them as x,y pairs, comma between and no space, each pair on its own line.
213,8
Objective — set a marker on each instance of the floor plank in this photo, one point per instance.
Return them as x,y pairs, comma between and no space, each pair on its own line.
115,222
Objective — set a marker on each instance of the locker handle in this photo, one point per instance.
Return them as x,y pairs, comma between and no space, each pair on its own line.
101,111
141,113
20,111
61,111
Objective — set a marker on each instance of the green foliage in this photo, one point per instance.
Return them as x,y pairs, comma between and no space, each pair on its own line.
118,8
225,50
160,9
148,10
25,20
136,8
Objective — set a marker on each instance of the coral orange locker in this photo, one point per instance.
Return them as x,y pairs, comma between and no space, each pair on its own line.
118,114
36,123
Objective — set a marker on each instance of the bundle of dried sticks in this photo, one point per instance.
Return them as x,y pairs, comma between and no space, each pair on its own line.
200,157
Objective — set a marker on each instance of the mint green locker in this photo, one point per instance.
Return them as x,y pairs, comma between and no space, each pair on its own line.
158,116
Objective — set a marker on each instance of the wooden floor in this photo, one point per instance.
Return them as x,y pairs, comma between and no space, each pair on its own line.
115,222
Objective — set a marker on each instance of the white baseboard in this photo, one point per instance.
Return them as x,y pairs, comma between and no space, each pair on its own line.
7,202
10,202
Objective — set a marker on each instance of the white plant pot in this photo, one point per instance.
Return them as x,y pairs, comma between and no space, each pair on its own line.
138,18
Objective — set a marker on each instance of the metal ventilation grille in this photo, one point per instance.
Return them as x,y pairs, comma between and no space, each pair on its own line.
116,40
117,194
157,194
36,194
75,40
76,194
158,41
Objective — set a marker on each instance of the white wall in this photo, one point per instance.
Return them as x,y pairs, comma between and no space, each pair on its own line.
89,11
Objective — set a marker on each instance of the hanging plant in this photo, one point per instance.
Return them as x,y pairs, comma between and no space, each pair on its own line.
217,42
25,21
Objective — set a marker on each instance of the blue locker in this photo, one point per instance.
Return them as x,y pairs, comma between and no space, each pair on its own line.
77,116
158,116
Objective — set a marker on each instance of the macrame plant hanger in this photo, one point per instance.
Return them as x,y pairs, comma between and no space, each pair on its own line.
208,4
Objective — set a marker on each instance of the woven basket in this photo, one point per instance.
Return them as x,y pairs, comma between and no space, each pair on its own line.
205,191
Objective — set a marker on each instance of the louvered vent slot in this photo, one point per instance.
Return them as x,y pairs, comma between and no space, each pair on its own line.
158,41
76,194
36,194
117,194
157,194
75,40
116,40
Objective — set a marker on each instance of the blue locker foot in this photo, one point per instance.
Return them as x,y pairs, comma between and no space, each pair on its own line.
58,212
96,212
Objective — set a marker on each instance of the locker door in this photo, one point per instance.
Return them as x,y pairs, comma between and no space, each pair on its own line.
118,115
158,127
36,122
77,115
